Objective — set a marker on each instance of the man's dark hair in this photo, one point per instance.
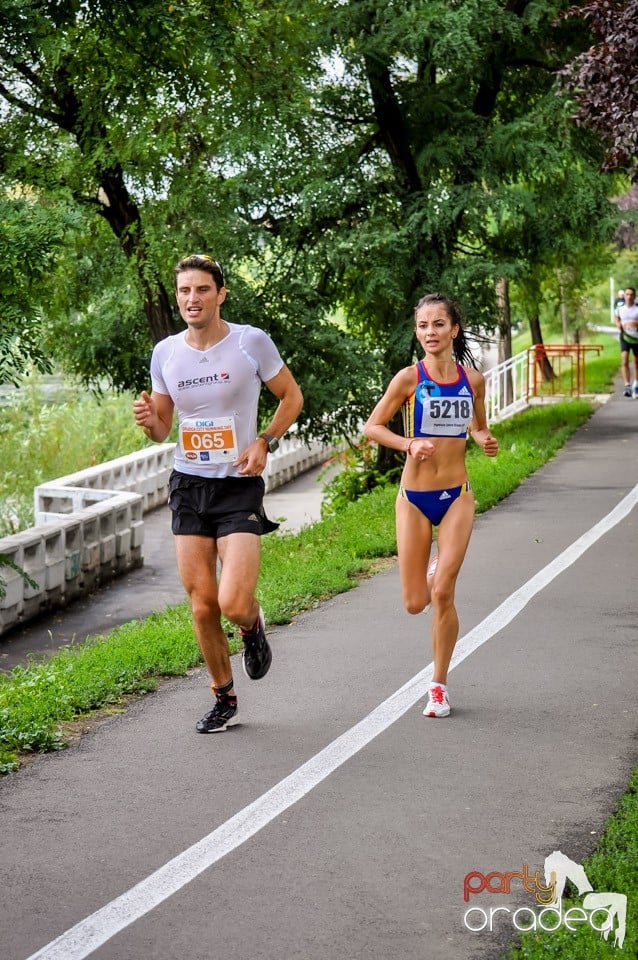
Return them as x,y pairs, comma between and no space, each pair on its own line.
201,261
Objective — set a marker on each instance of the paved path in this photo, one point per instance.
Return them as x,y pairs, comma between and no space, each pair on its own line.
364,817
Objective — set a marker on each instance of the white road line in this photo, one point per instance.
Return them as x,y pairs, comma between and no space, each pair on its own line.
86,936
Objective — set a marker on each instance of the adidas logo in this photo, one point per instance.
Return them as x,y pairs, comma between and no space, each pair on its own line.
445,496
464,392
253,516
204,360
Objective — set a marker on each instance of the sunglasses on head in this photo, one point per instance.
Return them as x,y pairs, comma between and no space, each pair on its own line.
204,256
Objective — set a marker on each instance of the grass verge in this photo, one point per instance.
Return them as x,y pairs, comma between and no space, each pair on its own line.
298,571
612,868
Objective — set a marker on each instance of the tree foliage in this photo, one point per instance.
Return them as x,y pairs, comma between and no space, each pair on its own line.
154,123
340,157
442,159
31,238
604,79
126,108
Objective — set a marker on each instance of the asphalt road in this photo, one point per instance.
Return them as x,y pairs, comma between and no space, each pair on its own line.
336,821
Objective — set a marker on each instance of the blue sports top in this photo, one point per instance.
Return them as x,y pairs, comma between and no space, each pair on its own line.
438,409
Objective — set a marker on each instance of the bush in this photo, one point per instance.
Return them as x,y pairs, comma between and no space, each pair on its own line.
357,474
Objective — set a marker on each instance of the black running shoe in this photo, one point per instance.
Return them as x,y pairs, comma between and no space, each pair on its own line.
222,716
257,655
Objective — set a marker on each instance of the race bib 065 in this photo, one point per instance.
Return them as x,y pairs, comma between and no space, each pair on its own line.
208,440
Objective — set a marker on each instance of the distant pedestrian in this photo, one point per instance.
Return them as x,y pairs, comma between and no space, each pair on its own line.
626,318
442,398
212,373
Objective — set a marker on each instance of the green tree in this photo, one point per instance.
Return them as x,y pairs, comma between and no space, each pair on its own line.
552,220
134,112
432,129
600,79
336,155
31,237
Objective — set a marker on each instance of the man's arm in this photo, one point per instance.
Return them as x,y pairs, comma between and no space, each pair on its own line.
154,414
286,389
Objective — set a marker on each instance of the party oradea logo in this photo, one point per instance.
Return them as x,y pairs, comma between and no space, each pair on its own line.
605,912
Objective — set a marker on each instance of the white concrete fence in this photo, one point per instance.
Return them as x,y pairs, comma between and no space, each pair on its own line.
90,526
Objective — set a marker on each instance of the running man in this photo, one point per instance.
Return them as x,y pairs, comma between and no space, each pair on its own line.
626,317
212,373
440,400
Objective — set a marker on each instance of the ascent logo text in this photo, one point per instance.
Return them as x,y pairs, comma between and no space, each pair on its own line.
202,381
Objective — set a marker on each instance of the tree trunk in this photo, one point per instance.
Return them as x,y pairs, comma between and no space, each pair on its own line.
541,356
159,312
123,216
563,314
505,332
565,277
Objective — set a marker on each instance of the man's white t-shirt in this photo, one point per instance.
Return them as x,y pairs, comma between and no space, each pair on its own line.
216,395
629,322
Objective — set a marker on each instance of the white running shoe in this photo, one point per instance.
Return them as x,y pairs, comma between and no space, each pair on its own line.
438,704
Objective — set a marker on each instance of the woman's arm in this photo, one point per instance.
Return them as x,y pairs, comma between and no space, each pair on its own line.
397,392
479,429
399,389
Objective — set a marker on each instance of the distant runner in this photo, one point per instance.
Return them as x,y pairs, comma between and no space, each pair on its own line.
212,374
441,398
626,317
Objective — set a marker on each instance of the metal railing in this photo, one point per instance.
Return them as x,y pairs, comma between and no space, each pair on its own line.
507,388
516,383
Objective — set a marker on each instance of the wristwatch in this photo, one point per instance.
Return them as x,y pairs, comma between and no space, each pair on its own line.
272,442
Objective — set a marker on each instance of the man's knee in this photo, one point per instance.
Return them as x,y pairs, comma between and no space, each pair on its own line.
204,608
236,605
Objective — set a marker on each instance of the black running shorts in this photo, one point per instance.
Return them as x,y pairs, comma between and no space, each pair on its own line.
629,346
215,507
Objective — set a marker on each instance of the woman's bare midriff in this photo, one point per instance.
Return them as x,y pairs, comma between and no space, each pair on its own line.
445,468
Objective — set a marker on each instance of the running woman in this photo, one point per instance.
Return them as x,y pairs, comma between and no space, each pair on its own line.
212,374
441,398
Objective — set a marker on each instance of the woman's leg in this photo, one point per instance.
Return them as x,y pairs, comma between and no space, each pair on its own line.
454,534
414,540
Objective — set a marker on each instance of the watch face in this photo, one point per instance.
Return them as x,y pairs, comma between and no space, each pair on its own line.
273,444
